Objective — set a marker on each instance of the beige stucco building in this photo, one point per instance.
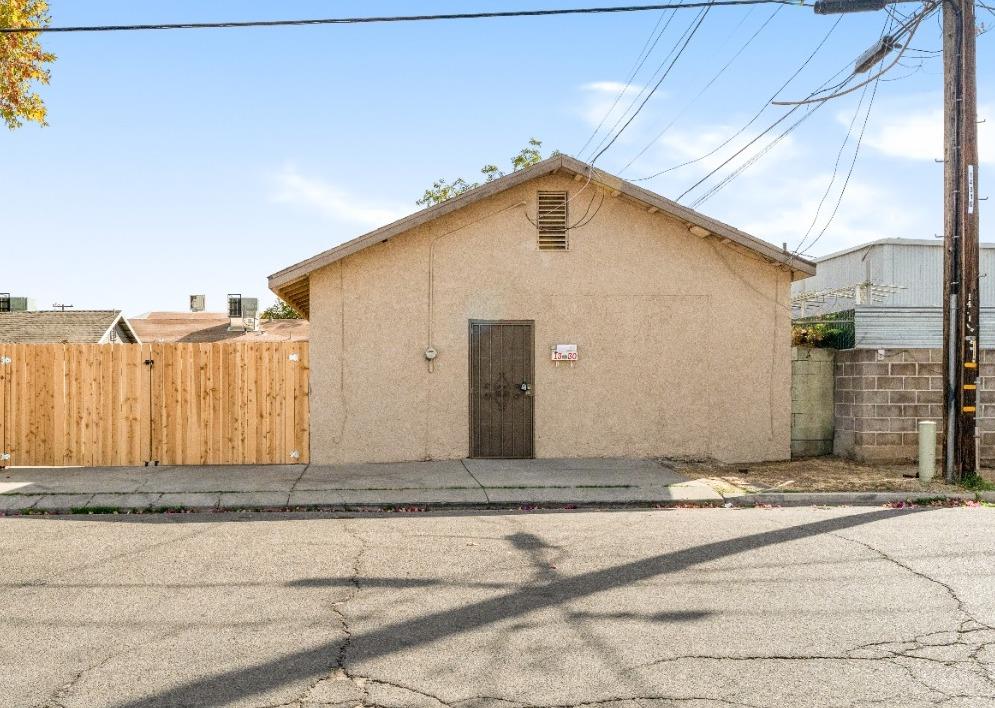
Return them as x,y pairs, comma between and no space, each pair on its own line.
434,337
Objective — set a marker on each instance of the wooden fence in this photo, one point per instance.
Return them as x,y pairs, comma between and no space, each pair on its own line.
129,404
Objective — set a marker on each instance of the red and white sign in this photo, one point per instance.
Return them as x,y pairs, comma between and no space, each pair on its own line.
565,352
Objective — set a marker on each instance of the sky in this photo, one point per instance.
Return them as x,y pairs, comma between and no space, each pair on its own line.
201,161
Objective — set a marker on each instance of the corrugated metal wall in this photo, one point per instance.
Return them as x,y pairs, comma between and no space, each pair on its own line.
910,327
914,264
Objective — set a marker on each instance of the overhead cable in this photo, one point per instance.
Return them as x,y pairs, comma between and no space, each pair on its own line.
700,18
644,54
764,107
399,18
708,85
661,68
911,32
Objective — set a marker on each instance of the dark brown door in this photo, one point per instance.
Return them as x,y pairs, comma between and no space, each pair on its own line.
501,375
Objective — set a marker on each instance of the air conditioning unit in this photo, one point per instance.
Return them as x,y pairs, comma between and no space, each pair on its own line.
197,303
15,304
242,313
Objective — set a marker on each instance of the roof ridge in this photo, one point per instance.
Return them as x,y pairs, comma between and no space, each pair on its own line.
291,283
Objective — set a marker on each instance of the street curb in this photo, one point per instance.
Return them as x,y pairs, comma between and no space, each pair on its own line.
854,498
763,499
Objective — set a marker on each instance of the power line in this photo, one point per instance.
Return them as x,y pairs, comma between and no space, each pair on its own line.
708,85
661,67
397,18
744,149
644,54
910,29
757,115
836,167
853,163
752,161
910,26
888,25
765,150
701,18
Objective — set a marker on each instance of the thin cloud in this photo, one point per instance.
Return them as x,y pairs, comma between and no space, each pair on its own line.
612,87
918,134
291,187
678,146
782,210
607,101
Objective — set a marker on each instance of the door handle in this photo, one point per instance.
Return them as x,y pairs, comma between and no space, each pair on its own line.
526,388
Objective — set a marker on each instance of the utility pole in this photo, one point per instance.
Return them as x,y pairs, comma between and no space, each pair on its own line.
961,304
961,343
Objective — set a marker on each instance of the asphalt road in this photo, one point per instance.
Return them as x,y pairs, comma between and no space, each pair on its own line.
767,607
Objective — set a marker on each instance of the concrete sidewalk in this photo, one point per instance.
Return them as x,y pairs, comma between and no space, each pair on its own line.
463,483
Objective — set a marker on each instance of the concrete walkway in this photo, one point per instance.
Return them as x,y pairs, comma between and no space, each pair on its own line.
464,483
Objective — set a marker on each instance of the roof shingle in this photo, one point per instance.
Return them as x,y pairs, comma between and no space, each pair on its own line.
212,327
56,326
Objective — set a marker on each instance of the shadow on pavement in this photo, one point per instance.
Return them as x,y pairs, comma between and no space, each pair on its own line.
547,592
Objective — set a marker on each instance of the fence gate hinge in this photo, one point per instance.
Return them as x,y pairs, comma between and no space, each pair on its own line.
5,360
149,362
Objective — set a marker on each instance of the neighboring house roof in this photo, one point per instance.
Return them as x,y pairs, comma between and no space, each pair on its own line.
69,327
934,242
292,285
213,327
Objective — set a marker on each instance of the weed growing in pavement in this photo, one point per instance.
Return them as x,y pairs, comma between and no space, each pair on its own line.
95,510
977,483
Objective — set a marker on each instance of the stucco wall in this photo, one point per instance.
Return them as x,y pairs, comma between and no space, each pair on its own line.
683,342
812,424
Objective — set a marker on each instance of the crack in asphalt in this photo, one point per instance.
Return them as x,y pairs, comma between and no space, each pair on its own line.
957,649
339,671
950,591
971,637
968,640
903,653
293,486
62,693
474,478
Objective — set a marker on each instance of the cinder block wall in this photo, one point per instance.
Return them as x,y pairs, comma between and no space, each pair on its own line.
812,401
881,395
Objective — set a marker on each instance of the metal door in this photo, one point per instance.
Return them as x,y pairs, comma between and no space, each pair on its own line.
501,376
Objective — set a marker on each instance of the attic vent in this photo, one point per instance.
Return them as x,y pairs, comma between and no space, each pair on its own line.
551,216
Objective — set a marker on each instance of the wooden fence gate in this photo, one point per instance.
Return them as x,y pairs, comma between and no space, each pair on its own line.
174,404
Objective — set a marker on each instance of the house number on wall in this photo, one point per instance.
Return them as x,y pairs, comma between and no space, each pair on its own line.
564,352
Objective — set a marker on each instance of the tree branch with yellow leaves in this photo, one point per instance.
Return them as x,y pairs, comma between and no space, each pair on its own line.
22,63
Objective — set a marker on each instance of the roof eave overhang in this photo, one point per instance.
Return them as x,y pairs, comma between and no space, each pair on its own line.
292,283
123,321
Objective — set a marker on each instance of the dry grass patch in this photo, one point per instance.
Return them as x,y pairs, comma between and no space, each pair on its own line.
821,474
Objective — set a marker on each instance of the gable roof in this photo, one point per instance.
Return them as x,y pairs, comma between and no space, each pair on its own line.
212,327
291,283
57,327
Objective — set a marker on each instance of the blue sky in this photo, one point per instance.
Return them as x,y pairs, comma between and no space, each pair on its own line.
201,161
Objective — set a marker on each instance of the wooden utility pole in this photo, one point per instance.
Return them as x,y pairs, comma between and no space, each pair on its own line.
961,305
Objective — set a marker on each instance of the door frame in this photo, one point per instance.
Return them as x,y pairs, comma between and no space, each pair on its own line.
469,382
